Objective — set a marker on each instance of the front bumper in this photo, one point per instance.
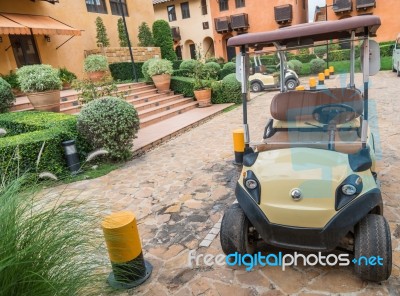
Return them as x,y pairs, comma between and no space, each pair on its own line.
309,239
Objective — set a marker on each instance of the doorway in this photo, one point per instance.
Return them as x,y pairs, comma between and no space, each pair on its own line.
25,51
230,51
192,48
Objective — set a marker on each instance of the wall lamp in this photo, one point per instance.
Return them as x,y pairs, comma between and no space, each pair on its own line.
47,37
1,39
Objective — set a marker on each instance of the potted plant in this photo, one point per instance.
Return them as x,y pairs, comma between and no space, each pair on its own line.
202,85
42,85
66,78
95,66
160,71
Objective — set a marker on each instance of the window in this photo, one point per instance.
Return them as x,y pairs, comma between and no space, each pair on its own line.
204,7
206,26
116,7
25,51
223,5
98,6
185,10
239,3
171,13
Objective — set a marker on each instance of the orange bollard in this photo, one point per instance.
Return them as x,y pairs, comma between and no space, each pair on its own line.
313,83
321,78
125,251
331,70
326,73
300,88
238,146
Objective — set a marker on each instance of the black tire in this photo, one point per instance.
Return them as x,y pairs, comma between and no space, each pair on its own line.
256,87
237,234
291,84
393,69
372,238
398,70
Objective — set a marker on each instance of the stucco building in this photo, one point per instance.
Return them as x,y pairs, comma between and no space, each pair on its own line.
191,25
388,10
58,32
233,17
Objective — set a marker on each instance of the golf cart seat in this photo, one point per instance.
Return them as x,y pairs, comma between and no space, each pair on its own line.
295,126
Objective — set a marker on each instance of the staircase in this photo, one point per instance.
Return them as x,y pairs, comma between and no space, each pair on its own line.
151,105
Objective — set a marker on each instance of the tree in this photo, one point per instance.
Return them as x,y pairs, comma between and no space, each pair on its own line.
101,33
163,39
123,39
145,36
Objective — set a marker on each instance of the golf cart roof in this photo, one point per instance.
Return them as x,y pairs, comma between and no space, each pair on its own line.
309,33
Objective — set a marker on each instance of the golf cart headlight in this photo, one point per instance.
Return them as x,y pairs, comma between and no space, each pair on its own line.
251,184
349,189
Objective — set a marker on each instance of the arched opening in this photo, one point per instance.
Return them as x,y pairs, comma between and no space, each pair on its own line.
208,48
178,51
189,51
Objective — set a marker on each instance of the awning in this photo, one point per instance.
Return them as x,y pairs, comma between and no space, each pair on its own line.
39,24
9,27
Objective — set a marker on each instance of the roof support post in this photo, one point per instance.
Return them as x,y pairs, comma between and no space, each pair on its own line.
244,80
366,85
352,59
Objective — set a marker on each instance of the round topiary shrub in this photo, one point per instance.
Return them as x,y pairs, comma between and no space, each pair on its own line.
320,51
295,65
229,90
189,66
110,123
317,66
230,66
211,70
158,67
38,78
95,62
6,96
145,68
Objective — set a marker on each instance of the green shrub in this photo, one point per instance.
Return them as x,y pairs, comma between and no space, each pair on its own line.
176,64
317,66
12,80
268,60
320,51
145,68
227,91
123,71
227,69
211,69
145,36
295,65
304,58
163,39
304,51
189,66
386,50
110,123
212,59
95,62
66,76
123,38
48,247
38,78
158,67
101,36
183,85
28,132
6,96
181,73
89,90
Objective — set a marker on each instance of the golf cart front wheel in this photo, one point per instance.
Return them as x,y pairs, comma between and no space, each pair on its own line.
291,84
237,234
372,240
256,87
398,70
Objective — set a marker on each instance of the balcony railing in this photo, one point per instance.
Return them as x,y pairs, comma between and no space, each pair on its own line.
222,24
283,13
342,6
364,4
176,34
50,1
240,22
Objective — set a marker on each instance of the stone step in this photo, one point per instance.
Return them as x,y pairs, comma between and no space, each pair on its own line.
157,102
164,107
149,120
141,94
148,98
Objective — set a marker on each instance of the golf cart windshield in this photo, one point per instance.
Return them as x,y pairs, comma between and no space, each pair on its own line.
326,118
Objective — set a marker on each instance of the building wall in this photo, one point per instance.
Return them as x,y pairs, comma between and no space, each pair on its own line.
75,14
261,18
387,10
191,29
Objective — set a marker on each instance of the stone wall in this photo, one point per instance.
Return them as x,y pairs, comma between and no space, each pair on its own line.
121,54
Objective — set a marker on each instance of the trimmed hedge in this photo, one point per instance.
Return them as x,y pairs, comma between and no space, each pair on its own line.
387,50
26,134
176,64
227,91
304,58
183,85
181,73
227,69
123,71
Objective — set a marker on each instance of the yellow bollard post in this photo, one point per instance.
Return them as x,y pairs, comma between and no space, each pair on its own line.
321,78
331,70
326,72
238,146
125,251
313,83
300,87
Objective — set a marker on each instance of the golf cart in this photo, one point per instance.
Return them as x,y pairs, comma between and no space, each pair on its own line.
311,183
260,80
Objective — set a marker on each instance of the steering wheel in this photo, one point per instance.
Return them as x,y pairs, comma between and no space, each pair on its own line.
334,113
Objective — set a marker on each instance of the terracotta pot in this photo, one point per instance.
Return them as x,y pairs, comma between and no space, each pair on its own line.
66,85
203,96
45,101
96,76
162,82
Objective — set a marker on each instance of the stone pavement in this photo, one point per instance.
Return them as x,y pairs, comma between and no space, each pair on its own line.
179,191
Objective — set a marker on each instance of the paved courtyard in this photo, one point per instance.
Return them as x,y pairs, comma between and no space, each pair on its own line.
179,191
